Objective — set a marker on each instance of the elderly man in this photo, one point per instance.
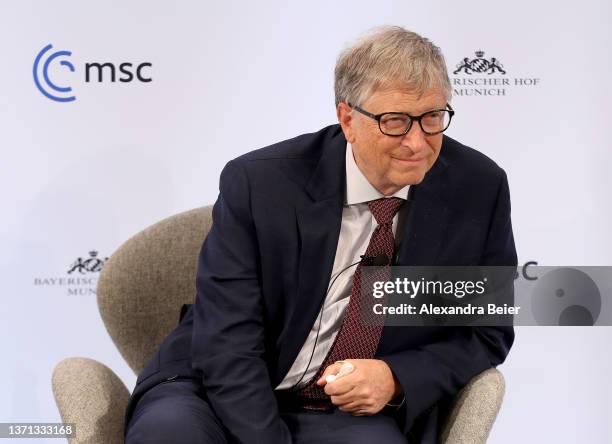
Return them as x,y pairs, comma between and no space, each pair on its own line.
275,311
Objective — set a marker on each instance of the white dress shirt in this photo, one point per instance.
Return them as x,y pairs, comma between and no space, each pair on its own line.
357,227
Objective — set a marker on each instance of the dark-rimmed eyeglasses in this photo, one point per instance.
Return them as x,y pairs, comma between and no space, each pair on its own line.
397,124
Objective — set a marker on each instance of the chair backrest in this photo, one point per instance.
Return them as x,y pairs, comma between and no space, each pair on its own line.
144,283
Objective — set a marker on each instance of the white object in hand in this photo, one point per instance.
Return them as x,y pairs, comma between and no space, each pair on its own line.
345,369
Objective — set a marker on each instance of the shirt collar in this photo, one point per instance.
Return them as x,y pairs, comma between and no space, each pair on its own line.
358,188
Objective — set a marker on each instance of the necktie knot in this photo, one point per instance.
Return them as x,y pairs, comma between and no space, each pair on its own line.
384,209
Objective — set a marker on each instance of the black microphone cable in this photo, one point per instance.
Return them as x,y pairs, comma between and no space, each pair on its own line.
379,261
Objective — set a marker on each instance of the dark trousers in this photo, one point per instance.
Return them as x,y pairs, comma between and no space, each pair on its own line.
178,412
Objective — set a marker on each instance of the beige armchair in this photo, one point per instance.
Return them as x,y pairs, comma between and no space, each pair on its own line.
140,292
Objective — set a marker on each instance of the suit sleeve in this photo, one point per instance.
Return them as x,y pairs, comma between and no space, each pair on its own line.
443,368
228,335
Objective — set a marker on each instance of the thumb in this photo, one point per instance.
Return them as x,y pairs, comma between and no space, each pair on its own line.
330,370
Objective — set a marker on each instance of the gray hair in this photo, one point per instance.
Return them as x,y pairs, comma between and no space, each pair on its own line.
387,57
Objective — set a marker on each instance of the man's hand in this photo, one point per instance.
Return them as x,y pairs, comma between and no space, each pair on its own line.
364,391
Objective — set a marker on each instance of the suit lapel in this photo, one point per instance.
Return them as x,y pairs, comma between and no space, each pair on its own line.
318,224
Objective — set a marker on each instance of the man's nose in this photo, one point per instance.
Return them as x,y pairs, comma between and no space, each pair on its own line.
415,139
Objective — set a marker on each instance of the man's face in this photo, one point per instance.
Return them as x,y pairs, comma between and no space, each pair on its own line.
390,163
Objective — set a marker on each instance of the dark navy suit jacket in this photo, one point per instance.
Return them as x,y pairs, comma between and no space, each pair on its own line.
265,266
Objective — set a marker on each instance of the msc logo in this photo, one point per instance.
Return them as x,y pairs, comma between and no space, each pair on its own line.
45,75
126,72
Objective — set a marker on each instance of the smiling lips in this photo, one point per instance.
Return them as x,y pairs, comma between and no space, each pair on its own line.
409,161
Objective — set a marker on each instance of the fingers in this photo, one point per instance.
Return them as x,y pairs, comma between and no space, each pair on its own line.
339,387
344,384
342,397
357,408
351,407
330,370
352,399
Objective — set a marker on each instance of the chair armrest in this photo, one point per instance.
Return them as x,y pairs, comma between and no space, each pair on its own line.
90,395
475,409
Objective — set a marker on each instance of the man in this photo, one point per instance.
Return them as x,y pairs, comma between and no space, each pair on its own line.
275,307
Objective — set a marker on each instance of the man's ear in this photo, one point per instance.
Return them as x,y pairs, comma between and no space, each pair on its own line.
345,118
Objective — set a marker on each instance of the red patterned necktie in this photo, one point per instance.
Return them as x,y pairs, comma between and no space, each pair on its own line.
357,339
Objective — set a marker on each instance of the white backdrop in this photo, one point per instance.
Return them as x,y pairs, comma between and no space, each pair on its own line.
229,77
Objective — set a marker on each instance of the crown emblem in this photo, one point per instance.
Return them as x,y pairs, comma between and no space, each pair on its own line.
92,264
479,65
